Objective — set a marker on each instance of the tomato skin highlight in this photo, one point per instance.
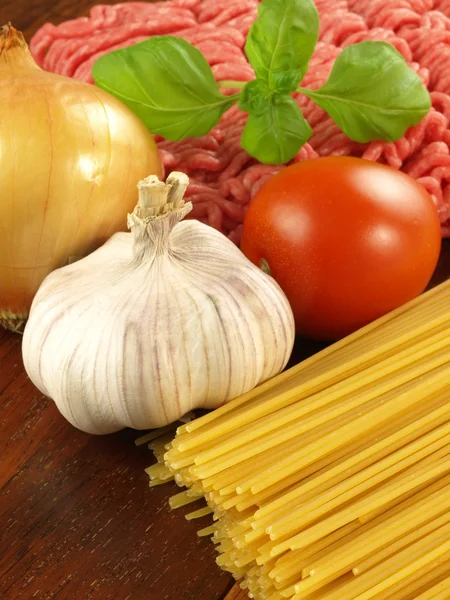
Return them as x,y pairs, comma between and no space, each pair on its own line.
348,240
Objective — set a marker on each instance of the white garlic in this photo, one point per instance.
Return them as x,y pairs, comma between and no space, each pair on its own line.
155,323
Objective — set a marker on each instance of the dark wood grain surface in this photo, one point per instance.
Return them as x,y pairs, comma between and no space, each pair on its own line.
77,519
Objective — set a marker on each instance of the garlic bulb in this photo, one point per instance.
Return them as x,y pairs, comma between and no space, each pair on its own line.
155,323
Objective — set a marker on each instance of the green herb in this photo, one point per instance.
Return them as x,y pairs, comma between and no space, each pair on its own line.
275,134
168,83
281,42
371,92
276,128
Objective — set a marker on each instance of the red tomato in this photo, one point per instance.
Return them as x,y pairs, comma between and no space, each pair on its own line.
348,240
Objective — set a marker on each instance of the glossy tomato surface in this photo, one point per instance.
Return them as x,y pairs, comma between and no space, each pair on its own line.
348,240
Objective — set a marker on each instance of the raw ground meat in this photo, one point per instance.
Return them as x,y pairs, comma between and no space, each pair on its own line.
224,178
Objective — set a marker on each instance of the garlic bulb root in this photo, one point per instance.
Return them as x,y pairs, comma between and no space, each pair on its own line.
157,322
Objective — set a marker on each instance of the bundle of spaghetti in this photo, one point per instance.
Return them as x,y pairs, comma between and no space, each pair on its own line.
332,480
224,178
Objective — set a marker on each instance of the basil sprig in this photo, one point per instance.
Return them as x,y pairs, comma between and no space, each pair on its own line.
371,92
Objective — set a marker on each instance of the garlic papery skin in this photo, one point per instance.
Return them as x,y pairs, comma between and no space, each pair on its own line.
155,323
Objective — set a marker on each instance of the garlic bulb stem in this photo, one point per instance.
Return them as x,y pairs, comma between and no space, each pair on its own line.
152,197
178,183
161,206
157,198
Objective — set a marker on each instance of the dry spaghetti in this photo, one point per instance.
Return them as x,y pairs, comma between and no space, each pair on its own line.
332,480
224,178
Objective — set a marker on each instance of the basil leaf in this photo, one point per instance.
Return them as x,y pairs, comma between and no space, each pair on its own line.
281,41
372,93
255,96
167,83
275,135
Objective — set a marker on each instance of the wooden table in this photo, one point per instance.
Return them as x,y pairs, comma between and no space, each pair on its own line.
77,519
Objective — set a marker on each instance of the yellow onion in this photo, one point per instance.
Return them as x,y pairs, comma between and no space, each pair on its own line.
70,157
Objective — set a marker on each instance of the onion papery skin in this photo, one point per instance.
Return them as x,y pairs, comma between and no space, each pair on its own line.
71,156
